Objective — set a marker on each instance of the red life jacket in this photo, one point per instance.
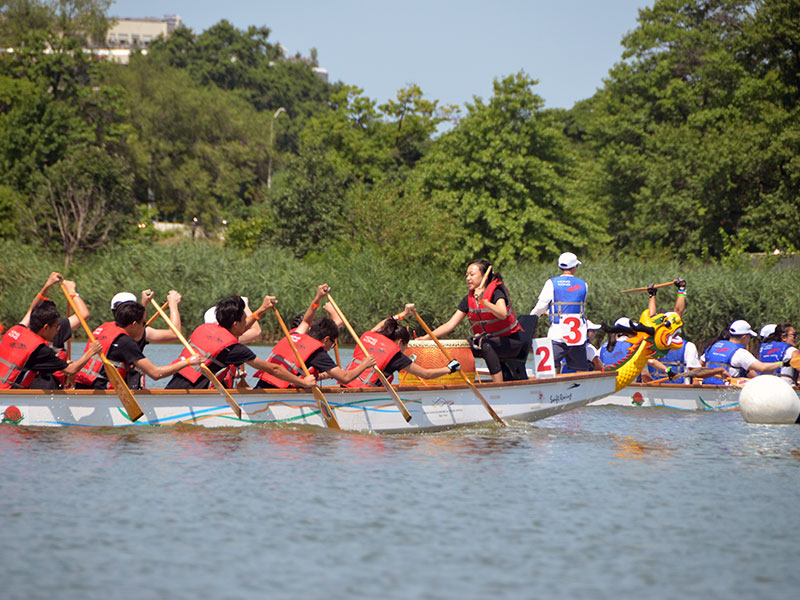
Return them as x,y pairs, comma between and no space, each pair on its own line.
379,346
105,334
283,355
60,376
482,319
16,348
209,340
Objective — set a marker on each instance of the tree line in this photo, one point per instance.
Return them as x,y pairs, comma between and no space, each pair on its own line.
689,149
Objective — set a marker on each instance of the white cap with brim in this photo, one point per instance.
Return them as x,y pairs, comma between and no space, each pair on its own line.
122,297
741,327
767,330
592,326
624,322
211,315
568,260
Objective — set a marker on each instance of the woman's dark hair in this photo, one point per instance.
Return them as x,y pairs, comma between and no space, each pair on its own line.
230,310
296,320
484,264
780,331
126,313
45,313
322,328
394,331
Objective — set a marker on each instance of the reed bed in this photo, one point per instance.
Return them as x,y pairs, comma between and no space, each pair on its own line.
368,289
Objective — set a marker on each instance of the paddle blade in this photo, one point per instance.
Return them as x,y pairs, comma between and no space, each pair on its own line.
325,409
123,391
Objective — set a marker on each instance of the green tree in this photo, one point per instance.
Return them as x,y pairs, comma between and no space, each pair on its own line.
504,173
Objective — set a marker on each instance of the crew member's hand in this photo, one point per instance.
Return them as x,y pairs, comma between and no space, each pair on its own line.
680,284
69,286
409,310
94,348
173,297
478,293
269,303
787,362
454,366
196,359
55,277
371,362
309,381
146,295
652,290
322,291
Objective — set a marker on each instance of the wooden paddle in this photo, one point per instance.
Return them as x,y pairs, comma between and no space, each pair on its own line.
644,289
397,401
203,367
324,408
707,371
123,391
475,391
336,351
155,314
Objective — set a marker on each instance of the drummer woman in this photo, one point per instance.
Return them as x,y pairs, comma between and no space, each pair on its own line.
498,336
386,342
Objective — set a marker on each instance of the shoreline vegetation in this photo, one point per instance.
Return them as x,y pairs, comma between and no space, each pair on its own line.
369,289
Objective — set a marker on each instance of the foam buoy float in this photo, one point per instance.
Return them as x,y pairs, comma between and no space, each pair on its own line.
769,400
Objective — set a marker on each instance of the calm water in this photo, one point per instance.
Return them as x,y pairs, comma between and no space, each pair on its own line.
604,502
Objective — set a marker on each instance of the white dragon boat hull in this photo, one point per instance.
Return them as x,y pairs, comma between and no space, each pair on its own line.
674,395
368,409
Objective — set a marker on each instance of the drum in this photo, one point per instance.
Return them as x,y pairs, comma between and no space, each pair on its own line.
428,355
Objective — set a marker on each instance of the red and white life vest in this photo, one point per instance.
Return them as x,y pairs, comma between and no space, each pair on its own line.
208,340
482,319
16,348
105,334
379,346
283,355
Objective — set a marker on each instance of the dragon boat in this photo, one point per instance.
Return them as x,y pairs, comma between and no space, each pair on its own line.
431,407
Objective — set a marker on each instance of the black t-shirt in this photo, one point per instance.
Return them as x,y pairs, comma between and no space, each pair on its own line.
320,360
44,362
236,354
398,362
64,333
499,292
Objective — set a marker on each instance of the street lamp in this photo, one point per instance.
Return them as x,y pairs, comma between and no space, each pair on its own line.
271,144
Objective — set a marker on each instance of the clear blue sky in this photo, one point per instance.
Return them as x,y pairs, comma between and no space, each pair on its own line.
451,49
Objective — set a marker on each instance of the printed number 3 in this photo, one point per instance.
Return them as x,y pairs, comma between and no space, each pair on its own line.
574,334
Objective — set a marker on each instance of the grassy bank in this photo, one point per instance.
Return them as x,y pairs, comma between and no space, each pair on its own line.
368,290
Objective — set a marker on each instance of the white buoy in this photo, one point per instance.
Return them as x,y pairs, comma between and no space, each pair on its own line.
769,400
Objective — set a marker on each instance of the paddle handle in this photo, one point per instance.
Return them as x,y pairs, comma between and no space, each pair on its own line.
475,391
644,289
155,314
398,402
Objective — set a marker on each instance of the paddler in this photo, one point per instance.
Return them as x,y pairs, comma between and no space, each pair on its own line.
313,348
120,340
221,349
27,359
733,355
564,298
498,337
387,342
781,346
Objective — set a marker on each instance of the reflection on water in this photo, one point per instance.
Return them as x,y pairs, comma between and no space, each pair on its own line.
598,503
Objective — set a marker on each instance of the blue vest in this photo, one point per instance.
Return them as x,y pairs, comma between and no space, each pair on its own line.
774,352
674,359
569,296
620,352
719,355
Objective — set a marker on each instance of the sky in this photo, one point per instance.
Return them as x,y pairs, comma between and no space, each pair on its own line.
452,49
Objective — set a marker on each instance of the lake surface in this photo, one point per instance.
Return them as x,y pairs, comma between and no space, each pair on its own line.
602,502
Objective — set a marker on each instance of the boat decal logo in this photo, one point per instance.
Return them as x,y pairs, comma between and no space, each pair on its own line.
559,398
574,385
442,402
12,415
638,399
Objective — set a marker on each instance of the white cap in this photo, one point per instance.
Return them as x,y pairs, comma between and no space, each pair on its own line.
211,315
590,325
767,330
122,297
624,322
741,327
568,260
